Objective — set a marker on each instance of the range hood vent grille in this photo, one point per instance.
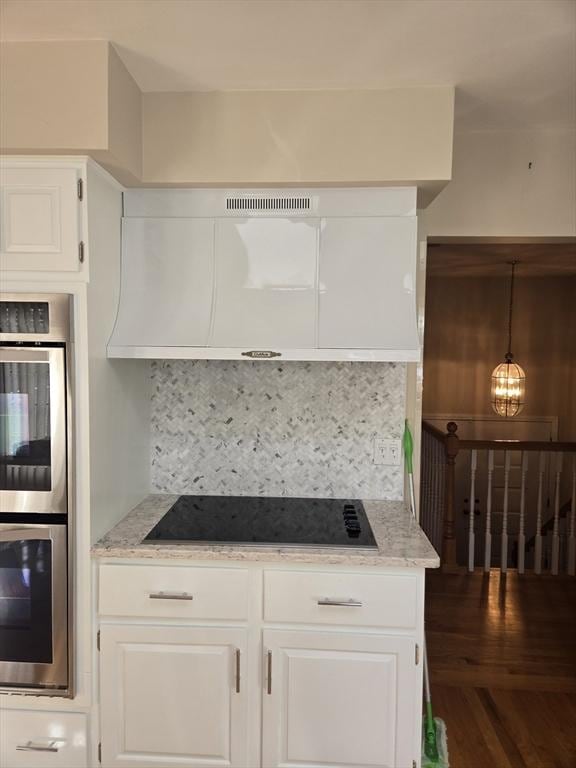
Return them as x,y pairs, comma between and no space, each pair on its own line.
265,204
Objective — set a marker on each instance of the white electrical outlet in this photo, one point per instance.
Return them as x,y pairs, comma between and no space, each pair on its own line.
387,451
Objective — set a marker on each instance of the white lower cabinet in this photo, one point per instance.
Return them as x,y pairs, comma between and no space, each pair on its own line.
42,739
312,668
173,696
338,699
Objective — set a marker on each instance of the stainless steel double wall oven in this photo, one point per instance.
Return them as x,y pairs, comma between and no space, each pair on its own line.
35,498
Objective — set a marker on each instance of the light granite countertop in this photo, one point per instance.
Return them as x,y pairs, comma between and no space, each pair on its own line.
401,541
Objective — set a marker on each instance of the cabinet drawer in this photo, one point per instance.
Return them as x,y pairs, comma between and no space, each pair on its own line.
38,739
379,600
173,592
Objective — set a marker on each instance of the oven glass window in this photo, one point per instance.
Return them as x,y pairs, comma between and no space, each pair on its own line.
24,317
26,601
25,449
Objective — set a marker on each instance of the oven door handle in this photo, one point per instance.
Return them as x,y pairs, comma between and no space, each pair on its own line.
18,534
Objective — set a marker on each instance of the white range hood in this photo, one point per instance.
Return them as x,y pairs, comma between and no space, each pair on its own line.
310,274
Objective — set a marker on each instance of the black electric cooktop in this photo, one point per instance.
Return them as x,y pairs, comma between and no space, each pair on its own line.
265,521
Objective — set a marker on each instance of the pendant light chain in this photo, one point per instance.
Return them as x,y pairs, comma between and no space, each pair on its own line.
513,263
508,378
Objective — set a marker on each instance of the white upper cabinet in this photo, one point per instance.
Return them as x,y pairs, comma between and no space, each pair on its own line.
266,283
40,217
167,279
324,274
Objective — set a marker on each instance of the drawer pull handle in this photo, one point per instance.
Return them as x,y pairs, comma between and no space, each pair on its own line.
30,746
170,596
340,603
237,670
269,673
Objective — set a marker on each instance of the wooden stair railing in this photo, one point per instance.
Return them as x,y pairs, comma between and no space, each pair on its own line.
549,524
545,529
438,509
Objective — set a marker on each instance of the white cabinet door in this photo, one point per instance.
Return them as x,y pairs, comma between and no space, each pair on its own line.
338,699
367,283
266,278
173,696
39,217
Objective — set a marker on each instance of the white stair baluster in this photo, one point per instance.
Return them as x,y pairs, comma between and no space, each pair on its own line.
488,534
521,533
538,534
555,536
504,551
473,465
572,535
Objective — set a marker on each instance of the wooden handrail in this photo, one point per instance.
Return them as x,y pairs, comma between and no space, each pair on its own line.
434,431
519,445
452,445
502,445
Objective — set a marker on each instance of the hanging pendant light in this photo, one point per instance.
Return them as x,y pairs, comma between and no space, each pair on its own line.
508,378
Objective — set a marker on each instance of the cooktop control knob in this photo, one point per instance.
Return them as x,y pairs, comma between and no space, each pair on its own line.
351,521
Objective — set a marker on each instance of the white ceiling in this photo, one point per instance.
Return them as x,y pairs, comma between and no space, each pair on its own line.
513,61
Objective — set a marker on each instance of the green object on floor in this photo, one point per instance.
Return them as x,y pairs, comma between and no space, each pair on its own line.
430,743
439,747
434,744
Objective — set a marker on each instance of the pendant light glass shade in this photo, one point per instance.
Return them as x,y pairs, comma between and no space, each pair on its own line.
508,388
508,379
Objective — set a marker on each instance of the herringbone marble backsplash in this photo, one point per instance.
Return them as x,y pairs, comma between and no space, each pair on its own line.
262,428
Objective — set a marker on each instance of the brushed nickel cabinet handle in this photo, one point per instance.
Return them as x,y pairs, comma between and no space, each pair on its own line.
237,670
269,672
30,746
341,603
170,596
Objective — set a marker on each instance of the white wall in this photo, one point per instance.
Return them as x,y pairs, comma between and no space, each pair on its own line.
119,390
494,192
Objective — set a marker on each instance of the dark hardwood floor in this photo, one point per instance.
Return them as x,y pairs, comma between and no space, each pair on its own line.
502,656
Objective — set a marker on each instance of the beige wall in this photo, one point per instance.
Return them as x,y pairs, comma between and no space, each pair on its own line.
493,192
124,158
299,137
67,97
466,337
54,96
71,97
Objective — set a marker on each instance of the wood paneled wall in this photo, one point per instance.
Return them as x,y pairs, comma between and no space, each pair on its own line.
466,337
